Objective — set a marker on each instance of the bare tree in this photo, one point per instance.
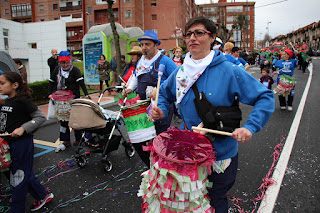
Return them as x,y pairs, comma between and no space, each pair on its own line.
241,24
115,35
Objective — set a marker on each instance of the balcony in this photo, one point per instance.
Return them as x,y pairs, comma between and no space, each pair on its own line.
70,8
77,37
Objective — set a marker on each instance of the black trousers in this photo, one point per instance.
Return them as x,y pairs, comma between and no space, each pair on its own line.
222,183
288,102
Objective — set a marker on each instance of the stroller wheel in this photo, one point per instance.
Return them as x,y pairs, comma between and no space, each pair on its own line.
81,161
129,150
108,166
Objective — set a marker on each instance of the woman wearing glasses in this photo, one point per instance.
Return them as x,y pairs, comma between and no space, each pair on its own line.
223,84
67,77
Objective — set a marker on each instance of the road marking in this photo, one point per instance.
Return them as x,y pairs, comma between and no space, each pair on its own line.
46,150
46,143
267,204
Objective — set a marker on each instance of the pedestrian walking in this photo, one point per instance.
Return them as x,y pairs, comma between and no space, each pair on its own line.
67,77
146,76
286,67
218,83
22,69
53,61
104,72
21,117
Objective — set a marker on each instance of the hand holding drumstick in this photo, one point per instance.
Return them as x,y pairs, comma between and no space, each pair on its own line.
241,134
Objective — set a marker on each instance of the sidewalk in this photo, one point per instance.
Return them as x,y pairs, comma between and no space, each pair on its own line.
106,101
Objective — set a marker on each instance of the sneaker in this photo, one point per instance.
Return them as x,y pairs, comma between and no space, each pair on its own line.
37,204
282,107
76,143
60,147
289,108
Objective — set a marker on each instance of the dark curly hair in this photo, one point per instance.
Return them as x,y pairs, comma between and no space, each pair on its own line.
23,89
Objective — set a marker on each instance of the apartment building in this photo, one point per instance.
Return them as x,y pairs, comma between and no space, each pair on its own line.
225,13
166,17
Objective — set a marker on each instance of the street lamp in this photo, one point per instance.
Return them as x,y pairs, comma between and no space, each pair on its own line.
268,31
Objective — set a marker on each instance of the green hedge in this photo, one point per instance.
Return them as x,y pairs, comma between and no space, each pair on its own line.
39,90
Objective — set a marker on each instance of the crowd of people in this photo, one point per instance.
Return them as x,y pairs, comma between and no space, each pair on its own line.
204,80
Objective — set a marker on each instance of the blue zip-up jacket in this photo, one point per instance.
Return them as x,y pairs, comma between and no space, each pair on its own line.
220,82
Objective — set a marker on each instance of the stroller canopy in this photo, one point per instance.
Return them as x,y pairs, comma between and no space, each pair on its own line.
6,63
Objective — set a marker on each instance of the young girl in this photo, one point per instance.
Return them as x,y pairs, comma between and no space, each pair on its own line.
266,79
20,118
286,66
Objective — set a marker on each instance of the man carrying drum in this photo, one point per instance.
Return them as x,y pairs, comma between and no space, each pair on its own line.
145,78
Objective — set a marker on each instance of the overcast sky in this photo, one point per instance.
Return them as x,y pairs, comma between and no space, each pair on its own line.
285,16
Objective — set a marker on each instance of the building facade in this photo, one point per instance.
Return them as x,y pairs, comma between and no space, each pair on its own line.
225,14
309,35
166,17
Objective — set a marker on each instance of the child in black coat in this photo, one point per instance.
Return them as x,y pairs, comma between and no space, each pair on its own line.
266,79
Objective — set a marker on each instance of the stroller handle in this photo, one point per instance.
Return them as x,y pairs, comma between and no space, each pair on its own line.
108,88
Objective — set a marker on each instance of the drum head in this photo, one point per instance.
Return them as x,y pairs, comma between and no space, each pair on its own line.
182,146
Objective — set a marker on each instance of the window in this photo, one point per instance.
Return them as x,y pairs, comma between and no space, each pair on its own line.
153,17
41,8
230,18
247,8
155,30
41,19
33,45
153,4
54,6
19,10
56,18
115,14
90,24
232,9
6,38
127,1
89,10
77,15
7,12
127,14
128,26
69,4
229,26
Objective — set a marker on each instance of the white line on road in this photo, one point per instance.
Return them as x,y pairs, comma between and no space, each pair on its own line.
267,204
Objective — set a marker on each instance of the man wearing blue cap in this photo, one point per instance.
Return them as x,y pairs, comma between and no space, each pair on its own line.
145,77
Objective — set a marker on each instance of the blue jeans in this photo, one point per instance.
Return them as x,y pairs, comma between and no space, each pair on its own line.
222,183
22,177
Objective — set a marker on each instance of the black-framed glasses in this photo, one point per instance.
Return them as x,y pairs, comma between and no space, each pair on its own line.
197,33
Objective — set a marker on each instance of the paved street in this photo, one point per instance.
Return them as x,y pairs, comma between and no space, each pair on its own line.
91,189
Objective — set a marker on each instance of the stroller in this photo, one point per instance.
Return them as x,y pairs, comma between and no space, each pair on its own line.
98,126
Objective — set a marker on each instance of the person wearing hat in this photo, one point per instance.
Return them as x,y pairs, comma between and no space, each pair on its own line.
135,53
218,45
177,58
67,77
286,66
22,69
146,75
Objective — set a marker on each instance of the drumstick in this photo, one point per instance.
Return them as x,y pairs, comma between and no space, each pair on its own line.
125,83
5,134
292,46
160,73
212,131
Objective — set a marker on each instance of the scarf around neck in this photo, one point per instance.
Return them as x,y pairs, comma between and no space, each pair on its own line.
62,75
144,64
189,73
